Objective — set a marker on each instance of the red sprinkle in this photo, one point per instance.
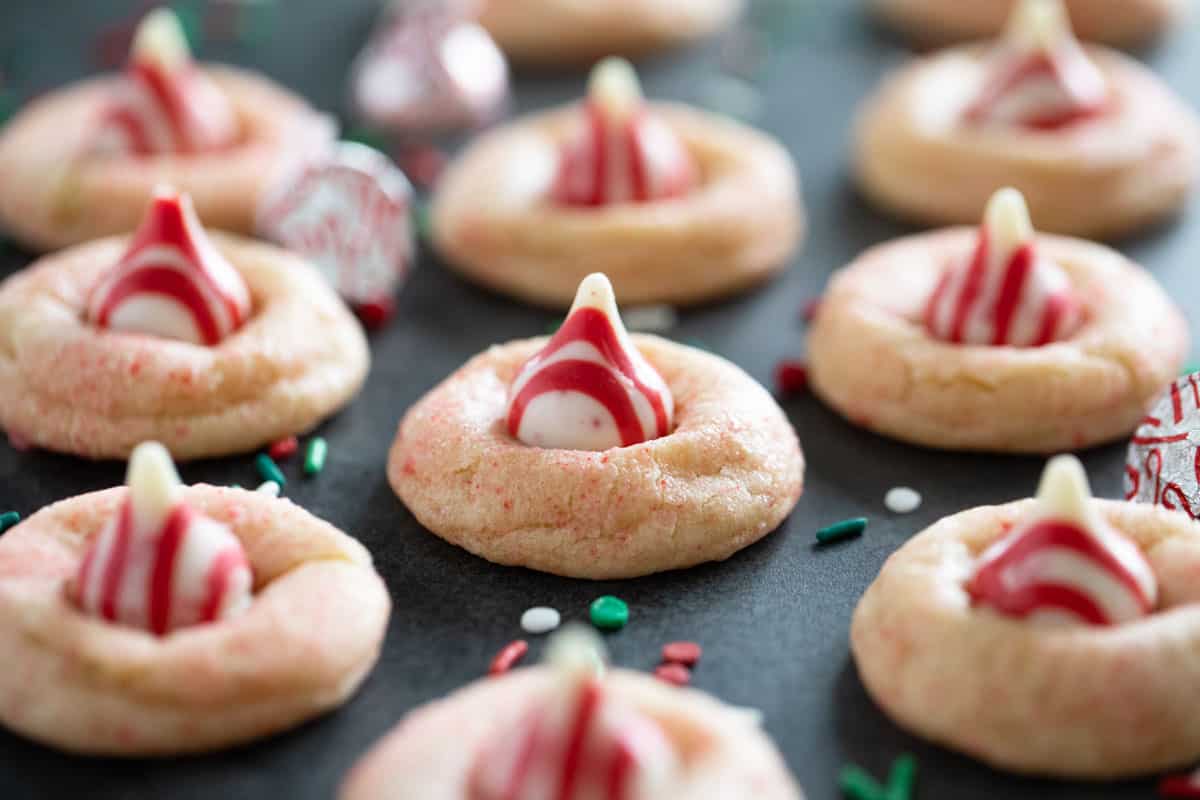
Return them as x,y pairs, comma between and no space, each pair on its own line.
423,164
19,442
791,377
377,312
1179,786
675,674
508,657
284,448
686,653
808,312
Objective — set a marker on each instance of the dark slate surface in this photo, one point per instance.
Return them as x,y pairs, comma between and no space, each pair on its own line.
773,619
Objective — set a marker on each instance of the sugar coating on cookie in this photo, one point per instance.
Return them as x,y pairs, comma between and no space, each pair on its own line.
171,281
622,151
589,388
1063,563
579,741
158,564
164,104
1007,292
1038,76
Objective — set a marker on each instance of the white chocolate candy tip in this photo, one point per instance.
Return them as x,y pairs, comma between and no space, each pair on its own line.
1007,219
1063,492
615,87
153,483
160,39
596,291
1041,23
576,651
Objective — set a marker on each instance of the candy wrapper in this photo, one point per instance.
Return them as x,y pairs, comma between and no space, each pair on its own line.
348,211
429,67
1163,463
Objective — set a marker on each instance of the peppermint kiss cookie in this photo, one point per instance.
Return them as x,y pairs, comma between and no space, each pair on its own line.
596,454
1054,636
1098,145
164,619
567,31
676,205
572,731
81,162
997,339
212,345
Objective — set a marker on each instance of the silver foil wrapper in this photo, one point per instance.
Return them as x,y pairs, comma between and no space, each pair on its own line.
1162,466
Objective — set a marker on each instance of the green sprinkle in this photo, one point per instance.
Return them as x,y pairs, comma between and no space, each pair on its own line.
421,220
901,778
235,486
846,529
1188,369
553,327
8,519
609,613
314,456
268,470
856,784
699,344
369,136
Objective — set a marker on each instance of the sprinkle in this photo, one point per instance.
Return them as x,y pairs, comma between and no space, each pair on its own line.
268,487
552,327
268,470
675,674
901,778
1188,369
423,164
422,221
856,784
846,529
19,442
699,344
902,500
314,456
508,657
284,448
1179,786
791,377
375,314
686,653
808,312
540,619
377,140
609,613
8,519
650,319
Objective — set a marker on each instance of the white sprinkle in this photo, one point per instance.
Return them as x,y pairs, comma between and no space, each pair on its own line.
540,619
650,319
902,500
269,487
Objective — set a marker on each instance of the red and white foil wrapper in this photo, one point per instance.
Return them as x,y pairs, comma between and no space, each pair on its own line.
348,211
622,152
1038,75
577,742
172,281
164,103
1007,293
1065,564
1162,465
589,388
160,565
429,67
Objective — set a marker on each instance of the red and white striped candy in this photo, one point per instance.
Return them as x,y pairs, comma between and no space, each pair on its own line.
589,388
623,152
172,281
1065,564
159,565
579,742
429,67
164,104
1039,76
1007,293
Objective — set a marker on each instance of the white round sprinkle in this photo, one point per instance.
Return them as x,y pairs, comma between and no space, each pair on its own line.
269,487
902,500
540,619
